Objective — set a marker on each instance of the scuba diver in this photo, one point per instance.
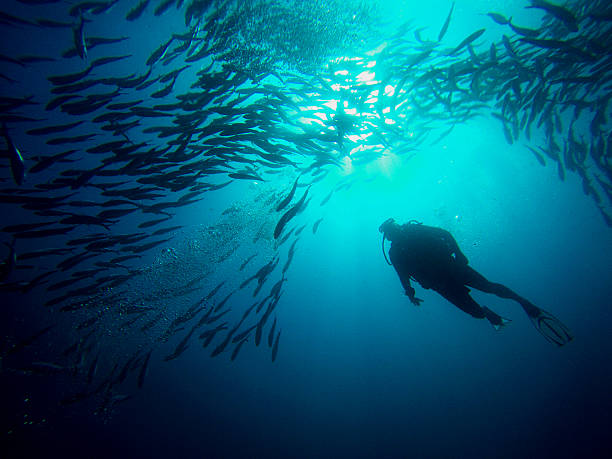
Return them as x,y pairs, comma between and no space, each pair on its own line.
431,257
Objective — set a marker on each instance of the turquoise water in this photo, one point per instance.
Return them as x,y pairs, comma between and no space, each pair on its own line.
360,371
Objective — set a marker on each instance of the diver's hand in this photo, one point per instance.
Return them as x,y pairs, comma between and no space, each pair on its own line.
416,301
413,299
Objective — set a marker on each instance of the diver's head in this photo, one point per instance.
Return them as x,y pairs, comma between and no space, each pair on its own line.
390,229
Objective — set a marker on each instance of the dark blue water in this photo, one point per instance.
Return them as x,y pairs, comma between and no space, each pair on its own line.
360,371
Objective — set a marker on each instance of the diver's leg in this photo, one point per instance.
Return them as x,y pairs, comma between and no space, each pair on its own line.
461,298
548,325
478,281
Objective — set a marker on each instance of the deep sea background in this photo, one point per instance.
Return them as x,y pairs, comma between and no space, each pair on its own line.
360,371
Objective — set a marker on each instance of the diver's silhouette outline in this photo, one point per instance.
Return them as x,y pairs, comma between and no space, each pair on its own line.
431,257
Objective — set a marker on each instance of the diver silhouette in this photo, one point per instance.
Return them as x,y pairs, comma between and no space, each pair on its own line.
431,257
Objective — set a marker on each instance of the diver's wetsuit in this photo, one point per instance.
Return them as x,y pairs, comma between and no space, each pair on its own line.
432,257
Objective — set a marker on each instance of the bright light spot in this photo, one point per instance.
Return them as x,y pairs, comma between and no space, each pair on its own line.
377,50
370,64
386,110
366,76
351,111
341,72
402,103
411,134
348,165
311,121
347,59
389,121
389,90
338,87
333,104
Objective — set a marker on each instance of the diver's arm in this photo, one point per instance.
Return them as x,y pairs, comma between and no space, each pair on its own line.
405,280
400,268
404,276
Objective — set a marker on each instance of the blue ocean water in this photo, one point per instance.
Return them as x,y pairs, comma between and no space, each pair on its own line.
360,371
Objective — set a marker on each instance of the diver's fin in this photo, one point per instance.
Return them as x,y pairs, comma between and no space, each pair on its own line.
497,321
548,325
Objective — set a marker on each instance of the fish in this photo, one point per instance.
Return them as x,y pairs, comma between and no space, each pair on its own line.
299,230
44,233
246,176
466,41
242,335
92,370
209,335
24,227
524,31
289,257
446,23
59,100
223,301
78,33
143,369
223,344
559,12
275,347
237,349
126,368
15,158
538,156
271,334
162,231
316,224
212,319
181,347
25,342
147,224
163,7
214,291
499,19
8,266
43,22
11,103
54,129
246,262
561,46
144,247
289,215
288,198
159,53
152,322
137,11
73,139
164,91
9,19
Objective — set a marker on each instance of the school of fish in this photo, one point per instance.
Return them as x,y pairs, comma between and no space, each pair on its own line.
262,91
